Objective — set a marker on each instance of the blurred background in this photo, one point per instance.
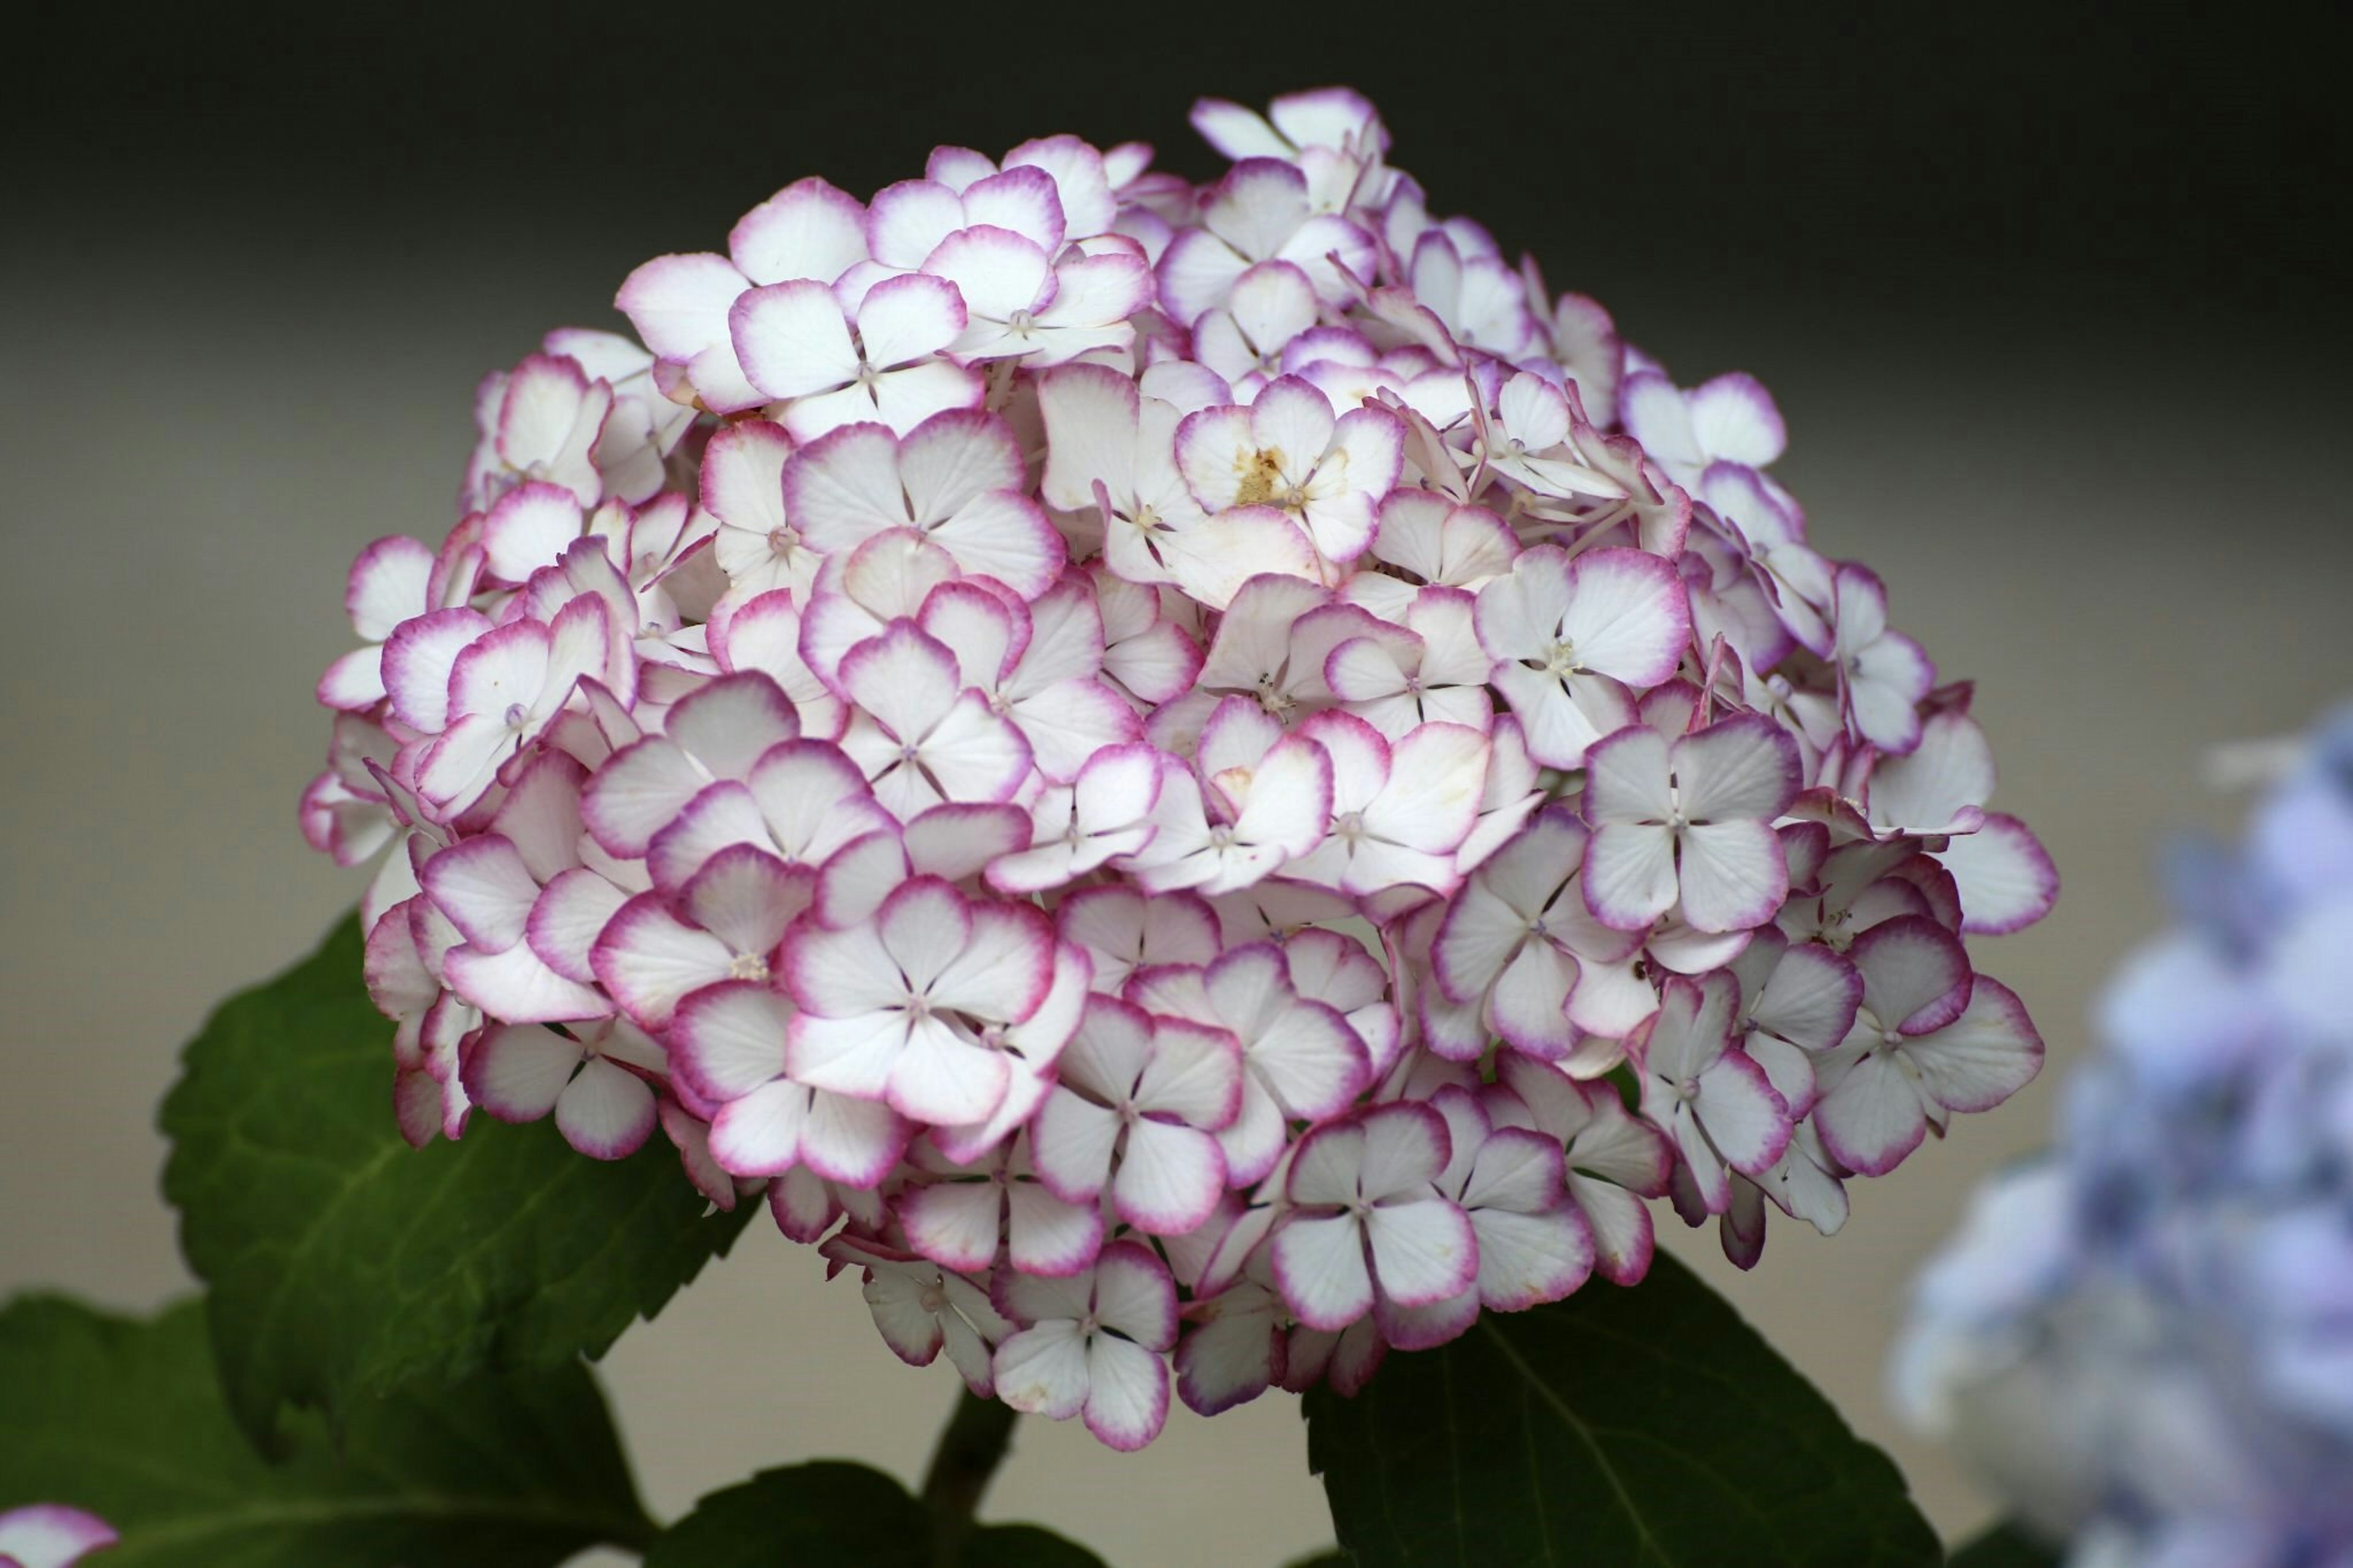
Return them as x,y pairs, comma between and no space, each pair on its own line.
2050,295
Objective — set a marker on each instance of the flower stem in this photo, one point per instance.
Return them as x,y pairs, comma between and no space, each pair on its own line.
971,1445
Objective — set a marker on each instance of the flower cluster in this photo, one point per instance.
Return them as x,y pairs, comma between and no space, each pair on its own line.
2146,1338
1196,774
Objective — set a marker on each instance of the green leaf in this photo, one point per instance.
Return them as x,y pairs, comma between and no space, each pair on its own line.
2004,1546
344,1264
1642,1428
125,1419
831,1514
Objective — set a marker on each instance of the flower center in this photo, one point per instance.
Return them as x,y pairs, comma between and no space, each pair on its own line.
747,967
1262,471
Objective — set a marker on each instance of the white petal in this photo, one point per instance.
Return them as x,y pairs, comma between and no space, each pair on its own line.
1127,1393
1320,1263
1734,876
1423,1251
607,1113
1042,1371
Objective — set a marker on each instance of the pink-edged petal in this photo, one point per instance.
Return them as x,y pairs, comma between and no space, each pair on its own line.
531,527
1629,874
793,339
941,1078
761,1133
853,1141
1195,1074
809,229
1809,997
485,889
1005,967
1629,777
728,1039
1622,1234
1745,766
745,897
1746,1119
1232,1357
1049,1238
996,271
516,986
1169,1179
2006,879
895,1297
387,584
419,658
1526,1005
1127,1393
1405,1148
956,1224
1042,1371
1423,1251
1212,560
517,1071
1734,876
907,221
1985,1055
638,792
1526,1260
1628,616
354,683
906,681
1071,1142
1319,1263
847,1055
729,722
906,319
1134,1295
1870,1117
51,1535
679,303
1915,974
647,961
607,1113
1735,418
1006,535
1022,199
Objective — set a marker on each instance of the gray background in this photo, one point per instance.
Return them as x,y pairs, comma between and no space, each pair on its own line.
2075,392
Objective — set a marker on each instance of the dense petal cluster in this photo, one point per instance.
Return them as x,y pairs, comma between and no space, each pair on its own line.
2145,1338
1180,774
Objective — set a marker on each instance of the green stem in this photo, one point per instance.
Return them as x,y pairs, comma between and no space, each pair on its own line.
971,1445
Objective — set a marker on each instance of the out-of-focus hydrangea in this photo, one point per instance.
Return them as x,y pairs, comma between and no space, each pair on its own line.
2145,1338
1180,774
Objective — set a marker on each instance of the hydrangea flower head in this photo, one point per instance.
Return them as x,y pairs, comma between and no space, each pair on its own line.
2145,1338
1196,776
